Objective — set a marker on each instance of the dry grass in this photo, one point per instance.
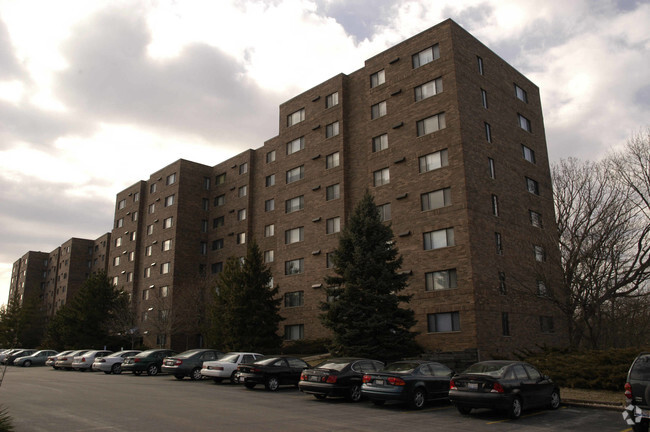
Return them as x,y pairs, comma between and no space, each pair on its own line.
605,397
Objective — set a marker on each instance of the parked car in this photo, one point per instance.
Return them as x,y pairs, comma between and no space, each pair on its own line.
85,361
51,360
7,352
112,363
149,361
412,381
637,389
9,359
189,363
340,377
510,386
272,372
36,359
226,366
65,362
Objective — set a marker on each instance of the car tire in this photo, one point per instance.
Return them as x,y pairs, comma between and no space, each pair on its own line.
217,380
514,412
641,427
272,383
107,372
320,396
233,378
418,399
195,375
116,369
152,370
555,400
27,363
354,395
179,377
249,385
463,409
55,367
378,402
138,373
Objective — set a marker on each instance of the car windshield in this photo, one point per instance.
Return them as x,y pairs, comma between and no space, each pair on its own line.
401,367
336,365
641,369
146,353
267,361
187,354
491,369
230,358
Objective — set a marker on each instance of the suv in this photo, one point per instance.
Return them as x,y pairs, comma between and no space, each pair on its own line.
637,392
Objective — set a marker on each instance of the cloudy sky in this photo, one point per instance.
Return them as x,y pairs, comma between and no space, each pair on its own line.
85,82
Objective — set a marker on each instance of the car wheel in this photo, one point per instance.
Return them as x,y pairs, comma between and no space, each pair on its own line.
179,377
272,383
514,412
418,399
55,367
27,363
378,402
195,375
107,372
555,399
233,378
355,393
138,373
152,370
249,385
116,368
320,396
217,380
463,409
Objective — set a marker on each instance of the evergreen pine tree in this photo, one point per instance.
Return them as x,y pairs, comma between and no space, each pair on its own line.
363,308
244,315
10,322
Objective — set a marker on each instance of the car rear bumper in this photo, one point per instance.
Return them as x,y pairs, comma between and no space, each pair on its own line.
497,401
323,389
385,393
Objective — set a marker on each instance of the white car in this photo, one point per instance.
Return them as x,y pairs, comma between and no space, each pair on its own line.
85,361
113,363
226,366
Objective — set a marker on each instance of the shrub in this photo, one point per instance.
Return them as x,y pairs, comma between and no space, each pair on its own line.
307,346
6,424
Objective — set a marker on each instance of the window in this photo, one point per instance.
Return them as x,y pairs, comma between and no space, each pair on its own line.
381,177
136,196
164,268
164,291
216,267
152,208
332,192
505,324
524,123
378,110
521,94
242,191
220,179
541,288
219,200
440,280
495,205
332,160
333,225
131,256
269,205
443,322
241,238
217,222
438,239
171,179
294,266
133,236
294,204
169,200
168,222
431,124
269,256
332,100
294,235
502,283
270,180
332,129
269,230
546,324
436,199
380,143
293,299
145,294
241,214
134,216
428,89
119,223
540,255
294,332
204,226
118,242
148,250
433,161
121,204
270,156
217,244
295,145
528,153
147,272
329,260
384,212
535,219
129,277
498,243
532,186
426,56
491,168
296,117
295,174
484,99
116,261
153,188
243,168
377,78
206,204
488,132
479,61
203,248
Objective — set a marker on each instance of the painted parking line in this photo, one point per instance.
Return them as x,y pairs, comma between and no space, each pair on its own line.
523,416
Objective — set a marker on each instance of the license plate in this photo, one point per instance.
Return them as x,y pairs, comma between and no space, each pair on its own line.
379,382
313,378
472,386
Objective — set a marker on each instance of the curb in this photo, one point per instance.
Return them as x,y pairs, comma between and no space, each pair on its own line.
591,404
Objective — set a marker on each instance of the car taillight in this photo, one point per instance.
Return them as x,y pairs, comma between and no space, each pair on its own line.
452,385
331,379
366,379
100,360
303,377
136,360
256,370
216,367
396,381
83,359
178,362
497,388
628,392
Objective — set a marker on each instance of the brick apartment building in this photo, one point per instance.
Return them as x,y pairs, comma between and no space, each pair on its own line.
450,141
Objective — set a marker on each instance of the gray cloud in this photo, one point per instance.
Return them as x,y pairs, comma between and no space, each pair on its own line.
359,18
10,68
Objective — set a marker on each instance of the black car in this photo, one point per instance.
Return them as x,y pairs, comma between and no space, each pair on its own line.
149,361
510,386
337,377
189,363
412,381
272,372
9,359
637,389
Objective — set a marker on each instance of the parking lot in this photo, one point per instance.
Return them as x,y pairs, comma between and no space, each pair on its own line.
43,399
